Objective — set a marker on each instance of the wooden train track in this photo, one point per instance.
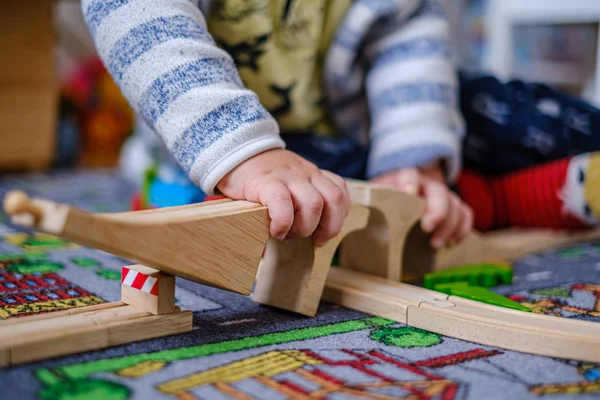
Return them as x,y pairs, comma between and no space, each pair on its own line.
465,319
60,333
142,314
221,244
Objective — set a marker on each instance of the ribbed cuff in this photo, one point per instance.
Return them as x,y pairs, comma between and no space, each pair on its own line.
392,154
224,156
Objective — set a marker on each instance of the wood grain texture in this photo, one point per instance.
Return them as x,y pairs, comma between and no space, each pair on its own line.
216,244
378,249
375,295
293,272
39,339
393,245
465,319
4,357
510,329
57,314
36,328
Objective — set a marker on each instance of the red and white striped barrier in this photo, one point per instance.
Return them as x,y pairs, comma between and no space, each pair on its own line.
139,281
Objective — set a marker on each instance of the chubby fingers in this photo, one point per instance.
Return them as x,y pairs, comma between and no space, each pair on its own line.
341,183
447,217
407,180
448,225
308,207
438,204
336,207
316,205
274,194
457,224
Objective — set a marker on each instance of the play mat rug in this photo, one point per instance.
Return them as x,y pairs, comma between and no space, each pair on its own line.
240,350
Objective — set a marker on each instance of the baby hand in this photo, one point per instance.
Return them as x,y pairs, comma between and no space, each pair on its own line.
446,216
302,200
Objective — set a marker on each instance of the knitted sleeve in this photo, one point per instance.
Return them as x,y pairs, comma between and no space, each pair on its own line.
411,87
187,89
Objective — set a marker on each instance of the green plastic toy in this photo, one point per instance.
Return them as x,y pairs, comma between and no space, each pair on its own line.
485,275
471,281
463,289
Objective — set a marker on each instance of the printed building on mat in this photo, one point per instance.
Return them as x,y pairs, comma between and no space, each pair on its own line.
314,374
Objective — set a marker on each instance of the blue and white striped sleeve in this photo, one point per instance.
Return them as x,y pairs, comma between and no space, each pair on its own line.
412,92
187,89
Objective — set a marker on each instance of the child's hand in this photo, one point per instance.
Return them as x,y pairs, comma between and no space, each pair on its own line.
446,216
302,200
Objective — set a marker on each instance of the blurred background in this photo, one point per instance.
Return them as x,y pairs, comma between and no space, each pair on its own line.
47,49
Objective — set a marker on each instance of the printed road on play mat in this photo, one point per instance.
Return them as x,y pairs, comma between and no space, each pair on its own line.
240,350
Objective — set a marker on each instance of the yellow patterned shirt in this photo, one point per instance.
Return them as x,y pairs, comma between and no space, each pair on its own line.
279,47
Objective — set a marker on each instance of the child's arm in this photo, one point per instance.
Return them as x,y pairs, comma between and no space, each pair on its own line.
189,91
416,125
412,90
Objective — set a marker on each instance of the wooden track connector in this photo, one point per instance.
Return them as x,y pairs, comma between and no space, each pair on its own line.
148,289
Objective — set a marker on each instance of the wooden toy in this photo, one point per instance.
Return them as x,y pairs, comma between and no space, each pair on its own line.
377,249
292,274
472,281
464,319
139,316
486,275
393,245
184,240
221,243
149,289
466,291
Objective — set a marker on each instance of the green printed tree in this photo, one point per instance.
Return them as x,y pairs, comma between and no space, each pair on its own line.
406,337
86,389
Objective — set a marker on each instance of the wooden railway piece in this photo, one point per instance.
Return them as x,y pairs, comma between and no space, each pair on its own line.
146,311
219,244
148,289
378,249
384,297
30,339
292,273
376,290
464,319
393,245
